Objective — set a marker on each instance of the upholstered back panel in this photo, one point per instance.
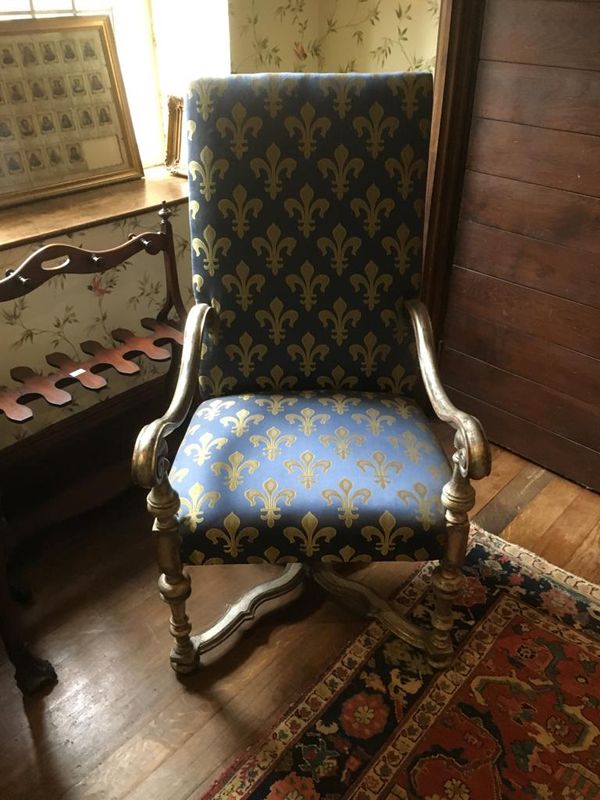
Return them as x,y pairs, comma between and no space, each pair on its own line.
306,204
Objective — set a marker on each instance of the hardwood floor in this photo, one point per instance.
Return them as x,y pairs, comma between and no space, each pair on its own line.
120,725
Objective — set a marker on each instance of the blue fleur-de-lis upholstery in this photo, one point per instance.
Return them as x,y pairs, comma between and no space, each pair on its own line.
306,205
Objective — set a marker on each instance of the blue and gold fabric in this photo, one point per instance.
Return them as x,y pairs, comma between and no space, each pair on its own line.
306,201
306,205
310,475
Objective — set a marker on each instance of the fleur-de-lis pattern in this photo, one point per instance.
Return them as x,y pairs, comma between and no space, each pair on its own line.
307,245
289,476
305,196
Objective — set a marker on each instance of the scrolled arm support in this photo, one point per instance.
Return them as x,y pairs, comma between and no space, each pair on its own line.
150,464
472,448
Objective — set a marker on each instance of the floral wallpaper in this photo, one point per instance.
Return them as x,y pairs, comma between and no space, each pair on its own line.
333,35
70,309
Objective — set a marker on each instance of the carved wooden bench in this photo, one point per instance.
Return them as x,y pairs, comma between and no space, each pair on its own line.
40,267
92,373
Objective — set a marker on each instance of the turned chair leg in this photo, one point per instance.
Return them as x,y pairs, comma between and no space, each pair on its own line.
173,583
458,497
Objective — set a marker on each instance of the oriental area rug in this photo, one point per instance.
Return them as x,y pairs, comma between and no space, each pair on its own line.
515,716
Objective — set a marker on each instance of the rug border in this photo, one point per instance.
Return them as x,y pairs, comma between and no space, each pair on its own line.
516,553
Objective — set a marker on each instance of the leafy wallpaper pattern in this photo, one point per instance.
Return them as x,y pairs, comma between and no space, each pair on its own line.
70,309
333,35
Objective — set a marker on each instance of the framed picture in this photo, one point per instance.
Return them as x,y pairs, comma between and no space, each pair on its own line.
64,120
176,141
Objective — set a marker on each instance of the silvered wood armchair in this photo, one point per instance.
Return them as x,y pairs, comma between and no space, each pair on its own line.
308,448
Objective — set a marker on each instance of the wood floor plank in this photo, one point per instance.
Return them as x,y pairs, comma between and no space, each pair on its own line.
511,499
121,726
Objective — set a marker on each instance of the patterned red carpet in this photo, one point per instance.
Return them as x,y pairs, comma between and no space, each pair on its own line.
517,715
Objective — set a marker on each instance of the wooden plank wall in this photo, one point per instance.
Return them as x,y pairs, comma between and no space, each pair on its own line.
521,340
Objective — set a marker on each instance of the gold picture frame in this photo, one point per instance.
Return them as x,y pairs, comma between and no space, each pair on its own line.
176,144
64,120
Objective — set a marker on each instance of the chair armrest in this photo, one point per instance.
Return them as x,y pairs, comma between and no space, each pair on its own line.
473,447
150,465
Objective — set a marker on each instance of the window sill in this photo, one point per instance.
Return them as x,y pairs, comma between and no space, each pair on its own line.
43,219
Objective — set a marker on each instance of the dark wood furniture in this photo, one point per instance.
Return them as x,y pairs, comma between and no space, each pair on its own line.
91,373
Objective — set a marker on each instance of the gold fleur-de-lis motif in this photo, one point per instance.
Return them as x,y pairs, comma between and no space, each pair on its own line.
194,208
308,419
310,535
407,168
191,129
398,382
339,318
200,451
272,555
238,127
274,85
387,534
223,317
427,504
401,247
343,441
273,167
240,421
246,352
308,466
340,169
412,445
276,403
396,319
307,353
374,419
340,402
372,208
372,283
197,282
380,466
339,246
193,504
308,283
342,89
240,208
205,90
347,555
347,510
213,409
409,86
375,127
215,383
244,283
232,536
337,380
233,468
370,352
277,318
208,168
306,208
307,126
177,475
270,512
276,380
274,246
273,441
210,247
400,405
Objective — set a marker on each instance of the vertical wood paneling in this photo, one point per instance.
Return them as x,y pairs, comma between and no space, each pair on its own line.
522,333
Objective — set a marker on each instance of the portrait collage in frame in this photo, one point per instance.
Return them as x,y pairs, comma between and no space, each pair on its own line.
64,119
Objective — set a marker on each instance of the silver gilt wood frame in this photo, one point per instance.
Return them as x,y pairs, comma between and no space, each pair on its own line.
471,460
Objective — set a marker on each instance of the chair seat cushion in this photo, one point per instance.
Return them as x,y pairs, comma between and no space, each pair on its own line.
293,477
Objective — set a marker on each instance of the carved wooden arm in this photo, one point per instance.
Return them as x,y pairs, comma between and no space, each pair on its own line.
150,464
472,445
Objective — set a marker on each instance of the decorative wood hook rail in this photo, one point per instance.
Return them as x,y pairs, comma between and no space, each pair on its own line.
40,267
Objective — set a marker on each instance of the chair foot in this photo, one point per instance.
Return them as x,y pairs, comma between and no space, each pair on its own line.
365,601
242,614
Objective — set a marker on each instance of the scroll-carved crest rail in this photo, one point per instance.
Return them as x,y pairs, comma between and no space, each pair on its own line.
63,259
